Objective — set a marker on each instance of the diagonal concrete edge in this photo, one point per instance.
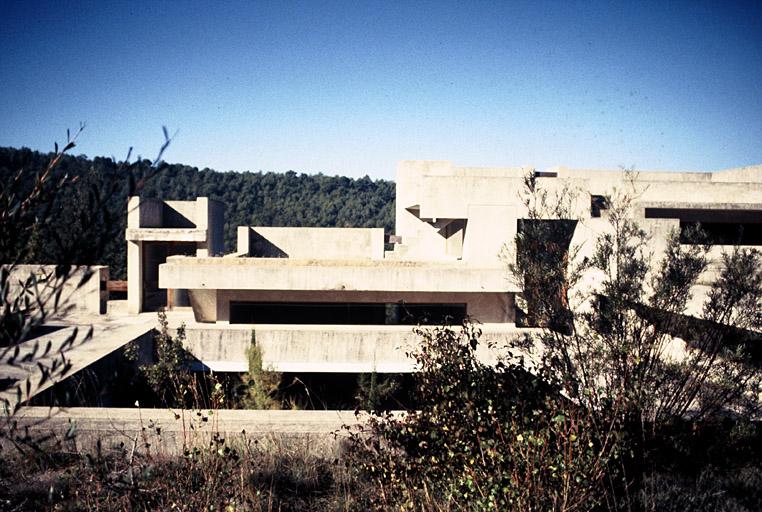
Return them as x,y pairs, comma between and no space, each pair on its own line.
27,367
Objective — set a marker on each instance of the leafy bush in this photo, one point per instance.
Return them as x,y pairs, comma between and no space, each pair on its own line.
166,375
621,340
483,437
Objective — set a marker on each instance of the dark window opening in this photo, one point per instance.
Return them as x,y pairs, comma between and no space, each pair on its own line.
345,313
598,203
402,313
721,233
714,226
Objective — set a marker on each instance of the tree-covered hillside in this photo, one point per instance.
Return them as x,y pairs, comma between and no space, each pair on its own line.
264,199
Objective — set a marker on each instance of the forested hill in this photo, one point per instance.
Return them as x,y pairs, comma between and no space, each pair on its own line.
98,201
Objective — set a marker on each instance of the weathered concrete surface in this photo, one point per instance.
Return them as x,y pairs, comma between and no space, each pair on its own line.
311,243
165,235
75,293
321,348
169,432
349,275
108,335
429,191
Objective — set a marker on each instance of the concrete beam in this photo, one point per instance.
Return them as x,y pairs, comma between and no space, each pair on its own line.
165,235
354,275
324,348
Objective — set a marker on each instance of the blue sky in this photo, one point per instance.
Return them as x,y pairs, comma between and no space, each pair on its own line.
353,87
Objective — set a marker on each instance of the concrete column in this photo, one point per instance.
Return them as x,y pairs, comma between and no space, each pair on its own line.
243,245
202,222
134,277
133,212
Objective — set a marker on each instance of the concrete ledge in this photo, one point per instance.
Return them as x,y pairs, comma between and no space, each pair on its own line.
168,432
165,235
107,336
343,275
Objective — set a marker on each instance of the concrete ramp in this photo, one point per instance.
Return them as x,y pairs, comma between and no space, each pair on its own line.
24,370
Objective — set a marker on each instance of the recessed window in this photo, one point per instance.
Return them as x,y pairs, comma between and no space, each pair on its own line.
716,227
345,313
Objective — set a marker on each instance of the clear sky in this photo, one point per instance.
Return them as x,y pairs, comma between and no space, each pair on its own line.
353,87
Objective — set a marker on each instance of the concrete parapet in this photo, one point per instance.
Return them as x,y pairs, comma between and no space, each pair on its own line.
169,432
81,290
311,243
325,348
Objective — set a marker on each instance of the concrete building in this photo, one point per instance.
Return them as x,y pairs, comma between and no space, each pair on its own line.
336,300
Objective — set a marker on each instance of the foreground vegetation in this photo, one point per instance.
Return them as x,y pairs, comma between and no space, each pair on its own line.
482,438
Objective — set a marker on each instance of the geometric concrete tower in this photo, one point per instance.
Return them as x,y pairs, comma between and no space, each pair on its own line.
157,229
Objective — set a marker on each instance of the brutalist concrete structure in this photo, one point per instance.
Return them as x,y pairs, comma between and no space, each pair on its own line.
333,300
157,229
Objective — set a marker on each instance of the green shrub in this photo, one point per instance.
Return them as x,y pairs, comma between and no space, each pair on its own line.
484,437
259,387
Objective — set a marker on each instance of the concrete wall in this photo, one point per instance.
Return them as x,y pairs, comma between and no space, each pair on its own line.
325,348
179,214
150,214
86,429
155,213
488,200
77,296
428,191
311,243
488,229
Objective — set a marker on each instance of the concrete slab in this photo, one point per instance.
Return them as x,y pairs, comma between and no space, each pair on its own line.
108,335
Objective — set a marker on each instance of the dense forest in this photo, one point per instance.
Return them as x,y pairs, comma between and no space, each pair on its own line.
96,203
